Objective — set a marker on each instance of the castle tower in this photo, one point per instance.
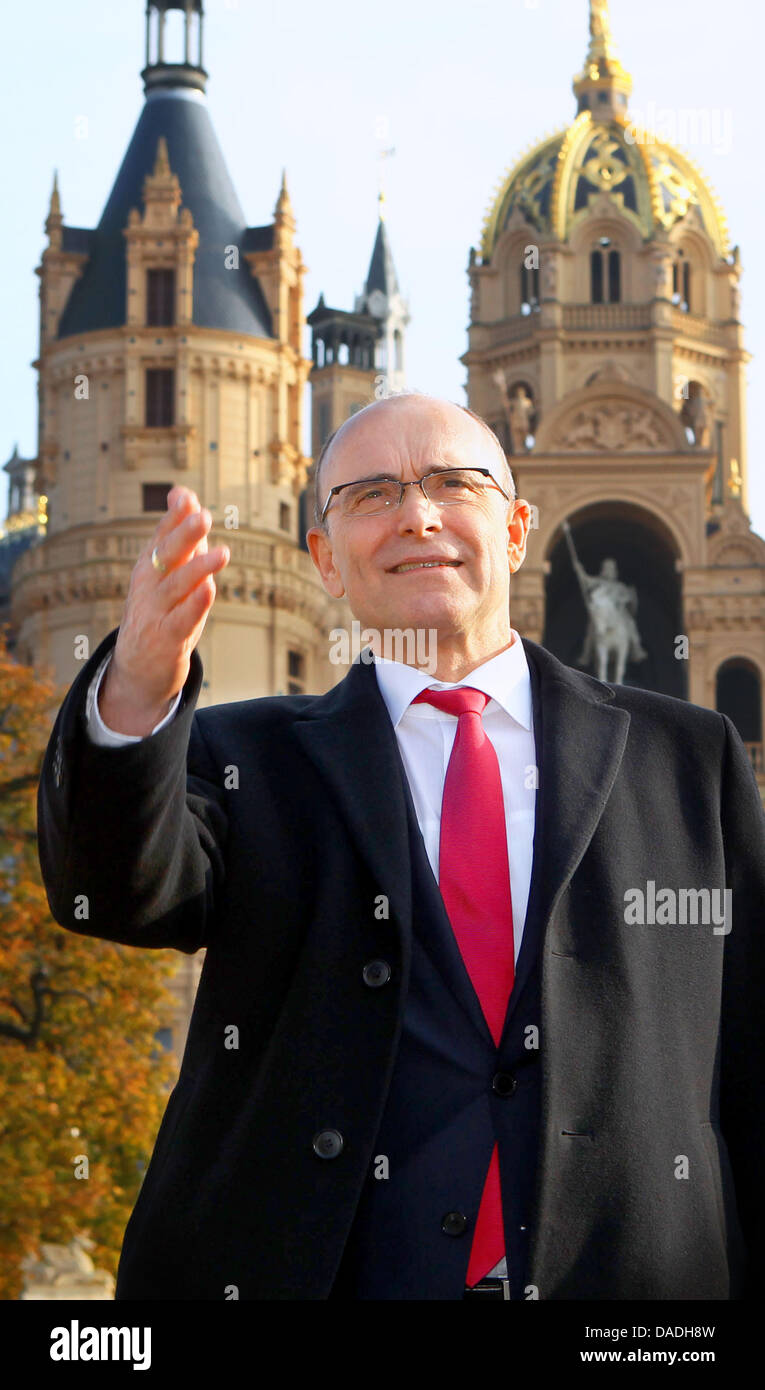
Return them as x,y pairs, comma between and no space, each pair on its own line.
382,298
171,352
358,355
606,348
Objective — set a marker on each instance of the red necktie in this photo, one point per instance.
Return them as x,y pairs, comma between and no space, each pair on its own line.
474,878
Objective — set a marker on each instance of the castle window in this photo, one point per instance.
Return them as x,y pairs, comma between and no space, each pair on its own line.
160,396
155,496
596,277
529,288
398,351
605,273
614,277
739,695
296,673
160,297
285,516
681,283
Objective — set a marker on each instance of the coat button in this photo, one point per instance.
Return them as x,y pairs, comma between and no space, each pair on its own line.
327,1143
503,1084
454,1223
376,973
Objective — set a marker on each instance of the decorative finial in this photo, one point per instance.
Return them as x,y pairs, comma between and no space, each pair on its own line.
284,216
603,85
384,154
283,203
162,161
601,38
55,202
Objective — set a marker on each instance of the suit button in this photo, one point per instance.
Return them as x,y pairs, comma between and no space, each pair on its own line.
376,973
327,1143
503,1084
454,1223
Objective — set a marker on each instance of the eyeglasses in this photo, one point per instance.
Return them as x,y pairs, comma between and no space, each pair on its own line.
448,487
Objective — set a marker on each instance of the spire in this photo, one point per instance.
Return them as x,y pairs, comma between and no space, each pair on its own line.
284,217
54,222
603,85
162,162
283,211
55,202
382,271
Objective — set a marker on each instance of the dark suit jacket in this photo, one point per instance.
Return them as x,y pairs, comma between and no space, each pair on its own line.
265,830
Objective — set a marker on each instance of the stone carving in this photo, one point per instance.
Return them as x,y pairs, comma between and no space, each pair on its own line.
520,409
519,412
65,1272
661,278
549,278
696,414
610,427
611,607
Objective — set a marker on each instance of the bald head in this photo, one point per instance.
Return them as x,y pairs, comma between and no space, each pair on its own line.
390,414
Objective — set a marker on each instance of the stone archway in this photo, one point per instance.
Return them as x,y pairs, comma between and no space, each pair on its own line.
645,553
738,693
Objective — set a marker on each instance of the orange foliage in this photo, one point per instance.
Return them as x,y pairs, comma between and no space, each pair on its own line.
81,1072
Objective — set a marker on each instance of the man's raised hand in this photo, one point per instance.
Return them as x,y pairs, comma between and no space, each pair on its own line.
165,613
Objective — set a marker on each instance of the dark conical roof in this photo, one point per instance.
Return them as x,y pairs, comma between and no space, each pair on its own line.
223,298
382,272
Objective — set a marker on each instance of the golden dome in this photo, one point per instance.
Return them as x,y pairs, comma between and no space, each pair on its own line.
603,151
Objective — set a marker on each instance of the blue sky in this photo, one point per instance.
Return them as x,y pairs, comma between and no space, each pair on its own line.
458,90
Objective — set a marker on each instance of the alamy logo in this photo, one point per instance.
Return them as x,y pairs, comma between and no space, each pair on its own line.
415,646
670,907
75,1343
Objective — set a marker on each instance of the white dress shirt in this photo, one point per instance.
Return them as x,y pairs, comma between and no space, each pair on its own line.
100,732
425,737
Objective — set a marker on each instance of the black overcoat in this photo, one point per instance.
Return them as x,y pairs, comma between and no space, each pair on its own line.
270,830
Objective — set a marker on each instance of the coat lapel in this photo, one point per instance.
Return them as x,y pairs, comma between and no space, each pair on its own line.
580,739
348,735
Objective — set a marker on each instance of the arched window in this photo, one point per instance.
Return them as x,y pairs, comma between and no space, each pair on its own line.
398,351
739,695
605,273
681,283
529,288
614,277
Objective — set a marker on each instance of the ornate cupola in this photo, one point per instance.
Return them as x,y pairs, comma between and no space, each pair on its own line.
607,350
163,70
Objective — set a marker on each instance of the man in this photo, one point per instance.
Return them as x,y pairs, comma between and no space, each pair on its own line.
449,1041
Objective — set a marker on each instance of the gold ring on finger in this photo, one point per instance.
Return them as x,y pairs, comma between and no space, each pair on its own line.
157,563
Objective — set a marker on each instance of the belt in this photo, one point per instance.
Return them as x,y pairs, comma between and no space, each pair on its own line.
489,1288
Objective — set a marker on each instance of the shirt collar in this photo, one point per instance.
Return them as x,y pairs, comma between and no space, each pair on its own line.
504,678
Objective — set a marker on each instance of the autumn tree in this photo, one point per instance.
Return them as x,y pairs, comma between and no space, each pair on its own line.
81,1073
